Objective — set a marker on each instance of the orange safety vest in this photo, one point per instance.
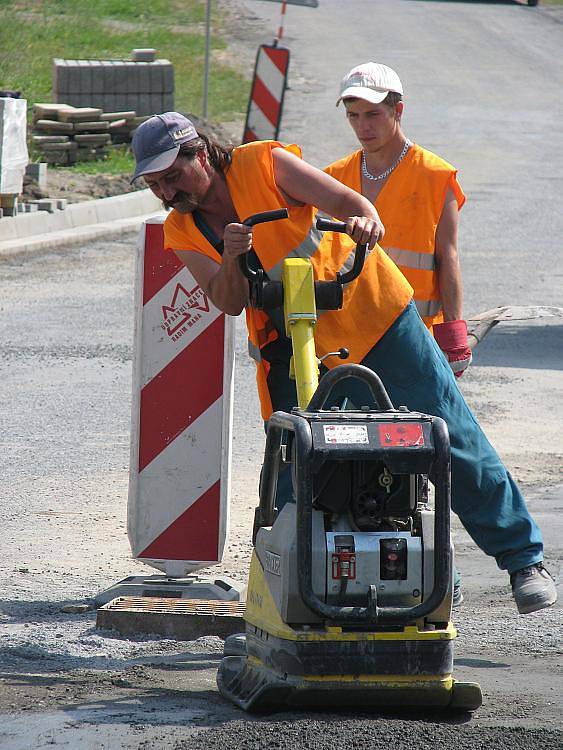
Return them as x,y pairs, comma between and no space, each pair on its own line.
410,205
371,303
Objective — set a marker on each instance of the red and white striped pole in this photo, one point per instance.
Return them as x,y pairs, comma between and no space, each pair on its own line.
177,514
282,22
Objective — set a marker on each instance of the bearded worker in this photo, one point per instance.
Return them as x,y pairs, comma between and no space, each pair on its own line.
418,197
211,189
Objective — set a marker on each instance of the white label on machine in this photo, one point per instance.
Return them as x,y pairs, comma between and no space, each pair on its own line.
345,433
272,563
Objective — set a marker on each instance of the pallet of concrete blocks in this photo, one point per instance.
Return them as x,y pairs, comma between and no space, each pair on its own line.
92,146
121,125
144,83
64,134
52,136
91,134
56,150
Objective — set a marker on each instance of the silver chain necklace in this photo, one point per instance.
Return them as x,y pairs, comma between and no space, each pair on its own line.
383,175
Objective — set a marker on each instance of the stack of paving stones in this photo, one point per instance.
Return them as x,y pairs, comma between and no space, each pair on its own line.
63,134
143,84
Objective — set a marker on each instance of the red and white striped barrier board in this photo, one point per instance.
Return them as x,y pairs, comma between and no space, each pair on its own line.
177,513
265,105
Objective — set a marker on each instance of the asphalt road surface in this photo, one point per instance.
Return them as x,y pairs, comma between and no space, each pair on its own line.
483,83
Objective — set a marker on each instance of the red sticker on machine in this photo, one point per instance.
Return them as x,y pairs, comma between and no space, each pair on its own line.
401,434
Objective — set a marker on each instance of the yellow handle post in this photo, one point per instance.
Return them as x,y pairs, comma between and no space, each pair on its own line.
300,318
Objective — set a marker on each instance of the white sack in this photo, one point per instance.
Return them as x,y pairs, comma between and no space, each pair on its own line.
13,146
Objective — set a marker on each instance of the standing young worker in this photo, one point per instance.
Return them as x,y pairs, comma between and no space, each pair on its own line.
212,189
418,197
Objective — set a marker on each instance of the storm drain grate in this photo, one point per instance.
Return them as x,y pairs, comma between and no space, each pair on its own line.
183,619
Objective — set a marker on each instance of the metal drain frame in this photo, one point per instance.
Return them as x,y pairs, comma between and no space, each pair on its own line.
181,619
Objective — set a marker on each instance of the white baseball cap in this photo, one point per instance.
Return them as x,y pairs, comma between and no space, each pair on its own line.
370,81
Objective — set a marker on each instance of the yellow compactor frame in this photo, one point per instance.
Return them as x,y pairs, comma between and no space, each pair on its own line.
253,685
300,315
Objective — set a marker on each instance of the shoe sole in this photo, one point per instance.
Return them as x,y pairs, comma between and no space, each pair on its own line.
534,605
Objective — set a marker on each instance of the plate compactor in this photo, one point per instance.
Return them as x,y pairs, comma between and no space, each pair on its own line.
350,588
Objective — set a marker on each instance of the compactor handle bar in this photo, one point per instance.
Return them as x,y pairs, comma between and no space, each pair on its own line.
261,218
327,225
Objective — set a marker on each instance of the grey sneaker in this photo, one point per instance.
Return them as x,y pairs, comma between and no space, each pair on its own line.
533,588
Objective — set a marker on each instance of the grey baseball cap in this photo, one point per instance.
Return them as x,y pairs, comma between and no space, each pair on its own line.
156,142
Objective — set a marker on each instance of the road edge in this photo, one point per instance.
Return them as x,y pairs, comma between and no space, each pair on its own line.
79,222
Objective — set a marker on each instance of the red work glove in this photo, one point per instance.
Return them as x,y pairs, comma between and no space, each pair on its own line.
452,340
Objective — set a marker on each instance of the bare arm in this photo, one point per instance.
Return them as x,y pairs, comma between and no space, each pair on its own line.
447,259
302,183
223,282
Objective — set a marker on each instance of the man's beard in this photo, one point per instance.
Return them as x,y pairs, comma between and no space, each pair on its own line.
183,202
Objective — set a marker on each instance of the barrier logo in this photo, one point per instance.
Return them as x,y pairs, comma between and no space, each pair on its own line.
186,308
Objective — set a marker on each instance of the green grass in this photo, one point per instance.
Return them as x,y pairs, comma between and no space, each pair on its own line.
33,33
128,10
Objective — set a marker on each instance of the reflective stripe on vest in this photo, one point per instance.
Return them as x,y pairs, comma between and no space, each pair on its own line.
305,250
428,307
412,259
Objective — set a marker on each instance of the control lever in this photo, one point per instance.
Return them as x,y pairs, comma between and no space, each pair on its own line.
251,221
342,353
327,225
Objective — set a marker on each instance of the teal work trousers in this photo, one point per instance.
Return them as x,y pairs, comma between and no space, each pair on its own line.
416,374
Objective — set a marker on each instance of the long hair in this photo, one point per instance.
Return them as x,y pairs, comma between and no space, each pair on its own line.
219,157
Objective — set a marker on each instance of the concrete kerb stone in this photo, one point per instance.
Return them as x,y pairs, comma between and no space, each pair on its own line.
41,222
69,237
81,214
129,204
28,224
79,222
8,230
